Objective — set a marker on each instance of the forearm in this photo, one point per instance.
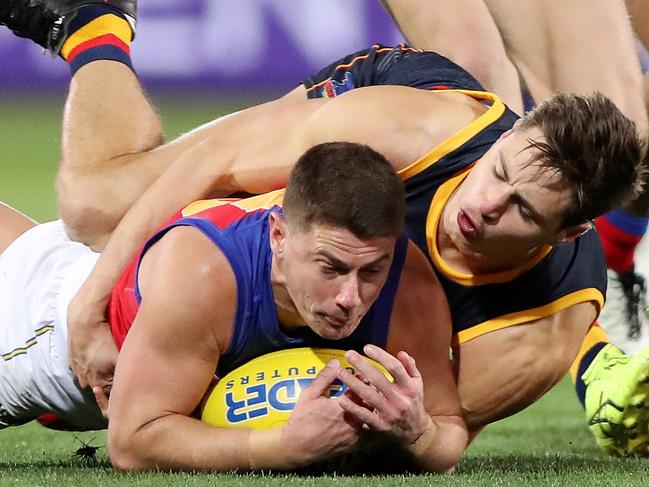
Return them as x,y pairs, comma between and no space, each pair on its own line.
441,445
179,443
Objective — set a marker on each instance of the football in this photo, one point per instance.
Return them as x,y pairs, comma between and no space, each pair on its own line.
262,393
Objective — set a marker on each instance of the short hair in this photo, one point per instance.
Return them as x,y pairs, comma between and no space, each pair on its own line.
595,148
345,185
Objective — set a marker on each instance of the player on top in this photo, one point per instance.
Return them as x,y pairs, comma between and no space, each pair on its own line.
552,47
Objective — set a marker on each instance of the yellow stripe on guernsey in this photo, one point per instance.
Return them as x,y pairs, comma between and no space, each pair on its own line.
46,328
594,336
463,135
106,24
582,296
261,202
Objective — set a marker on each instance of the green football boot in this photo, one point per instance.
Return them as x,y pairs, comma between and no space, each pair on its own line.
617,401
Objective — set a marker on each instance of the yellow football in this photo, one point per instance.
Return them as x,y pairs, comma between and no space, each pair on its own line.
262,393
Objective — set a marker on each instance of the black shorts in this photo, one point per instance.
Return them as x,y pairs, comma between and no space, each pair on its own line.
381,65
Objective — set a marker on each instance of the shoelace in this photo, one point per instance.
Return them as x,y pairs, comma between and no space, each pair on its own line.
634,290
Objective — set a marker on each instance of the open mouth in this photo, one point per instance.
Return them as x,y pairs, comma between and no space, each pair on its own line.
467,225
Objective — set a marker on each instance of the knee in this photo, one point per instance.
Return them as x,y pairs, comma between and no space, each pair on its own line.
87,215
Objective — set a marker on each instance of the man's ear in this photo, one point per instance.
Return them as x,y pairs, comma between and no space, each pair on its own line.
278,231
571,233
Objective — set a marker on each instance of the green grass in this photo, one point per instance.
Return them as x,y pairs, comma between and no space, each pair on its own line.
548,444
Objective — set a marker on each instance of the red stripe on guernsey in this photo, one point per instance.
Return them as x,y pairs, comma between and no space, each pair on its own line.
438,87
106,39
619,246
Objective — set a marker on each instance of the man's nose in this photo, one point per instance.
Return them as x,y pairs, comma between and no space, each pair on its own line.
349,295
493,207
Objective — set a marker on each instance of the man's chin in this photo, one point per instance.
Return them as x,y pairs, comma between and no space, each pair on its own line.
334,332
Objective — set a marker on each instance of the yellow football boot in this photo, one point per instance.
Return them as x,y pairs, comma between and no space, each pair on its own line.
617,401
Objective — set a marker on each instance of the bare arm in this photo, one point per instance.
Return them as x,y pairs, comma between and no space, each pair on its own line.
253,151
505,371
167,362
422,407
191,176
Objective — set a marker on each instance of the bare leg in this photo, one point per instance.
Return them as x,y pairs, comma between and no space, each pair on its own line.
12,225
442,26
505,371
109,127
555,48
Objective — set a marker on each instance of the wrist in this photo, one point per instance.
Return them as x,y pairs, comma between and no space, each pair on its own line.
420,446
266,450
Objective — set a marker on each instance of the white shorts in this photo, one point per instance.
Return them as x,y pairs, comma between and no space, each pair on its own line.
39,273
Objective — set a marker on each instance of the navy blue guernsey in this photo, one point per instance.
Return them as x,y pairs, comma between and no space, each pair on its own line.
555,279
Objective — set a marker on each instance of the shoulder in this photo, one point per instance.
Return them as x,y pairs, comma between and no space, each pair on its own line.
191,276
401,122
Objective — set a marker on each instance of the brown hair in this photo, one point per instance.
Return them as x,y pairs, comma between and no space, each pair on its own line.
345,185
594,146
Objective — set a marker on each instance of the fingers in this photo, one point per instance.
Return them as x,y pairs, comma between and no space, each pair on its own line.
409,364
391,363
102,400
374,376
361,415
322,381
81,378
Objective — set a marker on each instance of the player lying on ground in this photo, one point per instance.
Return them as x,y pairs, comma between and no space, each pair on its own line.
553,49
520,304
226,282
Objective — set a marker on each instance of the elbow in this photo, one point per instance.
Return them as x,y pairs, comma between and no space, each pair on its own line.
450,446
123,453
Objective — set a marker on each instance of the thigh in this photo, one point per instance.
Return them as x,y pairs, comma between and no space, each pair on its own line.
504,371
554,46
464,32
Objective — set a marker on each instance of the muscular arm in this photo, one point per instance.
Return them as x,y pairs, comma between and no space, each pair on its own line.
421,326
189,297
168,359
505,371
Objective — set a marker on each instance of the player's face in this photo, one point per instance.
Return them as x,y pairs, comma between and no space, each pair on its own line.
333,278
507,205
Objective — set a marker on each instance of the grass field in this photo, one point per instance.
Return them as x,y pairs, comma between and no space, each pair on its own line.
548,444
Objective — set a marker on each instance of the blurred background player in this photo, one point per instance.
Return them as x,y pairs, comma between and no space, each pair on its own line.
547,48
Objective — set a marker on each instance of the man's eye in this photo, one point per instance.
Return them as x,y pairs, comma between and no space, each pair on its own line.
494,171
525,214
372,270
327,268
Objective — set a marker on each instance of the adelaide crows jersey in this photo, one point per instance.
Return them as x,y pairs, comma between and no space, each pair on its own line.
553,280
